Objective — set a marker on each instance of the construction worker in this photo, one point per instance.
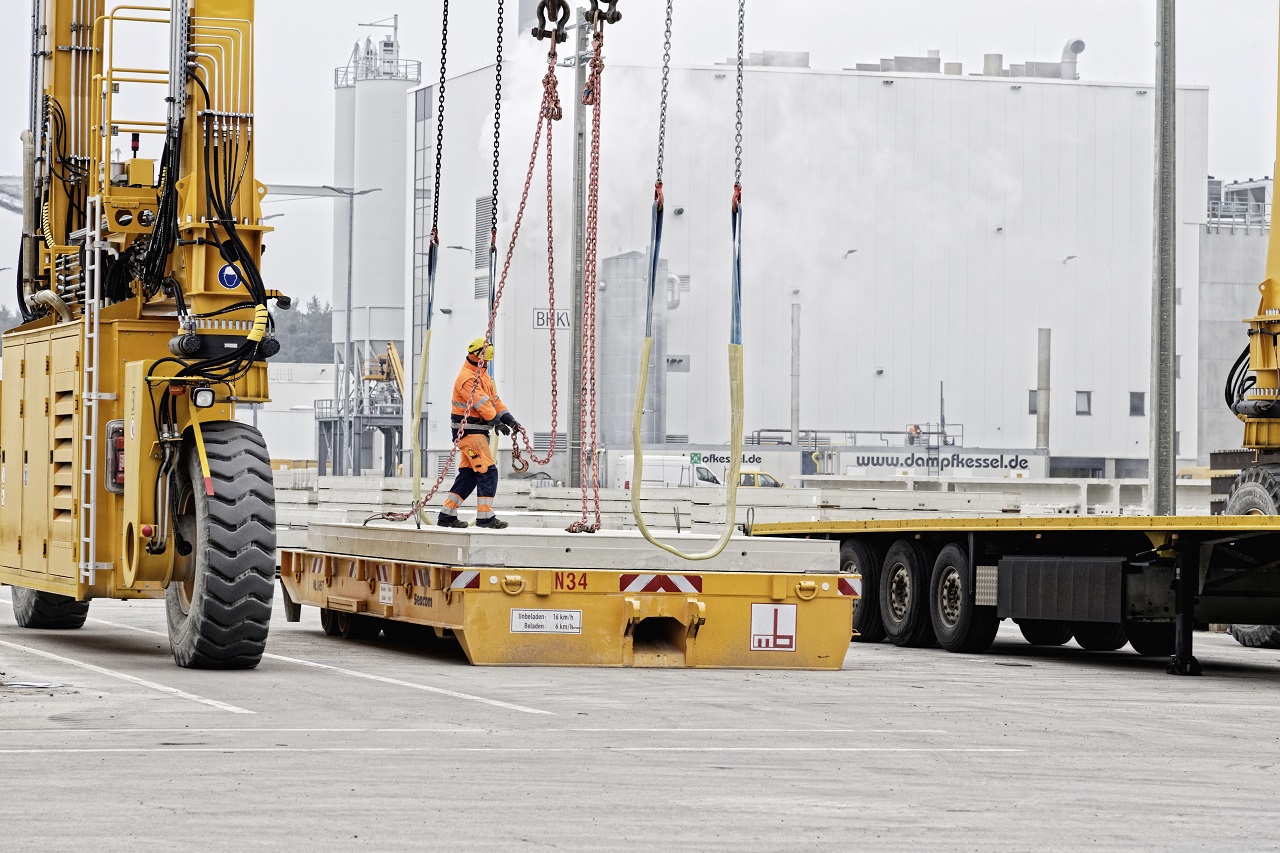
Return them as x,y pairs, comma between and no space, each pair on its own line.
475,398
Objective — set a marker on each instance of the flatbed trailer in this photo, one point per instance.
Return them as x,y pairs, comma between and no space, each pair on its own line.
538,597
1103,580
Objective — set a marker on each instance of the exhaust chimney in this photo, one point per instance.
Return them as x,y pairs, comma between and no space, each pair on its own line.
1073,49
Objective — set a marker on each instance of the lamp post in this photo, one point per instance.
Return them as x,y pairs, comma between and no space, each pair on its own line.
345,414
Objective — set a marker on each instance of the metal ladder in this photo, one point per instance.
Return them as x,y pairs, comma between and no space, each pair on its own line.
90,419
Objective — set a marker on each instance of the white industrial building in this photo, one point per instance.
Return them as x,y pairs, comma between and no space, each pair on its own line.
927,224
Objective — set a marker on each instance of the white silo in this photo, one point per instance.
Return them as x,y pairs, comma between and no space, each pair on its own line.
371,169
370,154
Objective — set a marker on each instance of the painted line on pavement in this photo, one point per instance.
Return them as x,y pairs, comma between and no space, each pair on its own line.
357,674
457,731
132,679
502,749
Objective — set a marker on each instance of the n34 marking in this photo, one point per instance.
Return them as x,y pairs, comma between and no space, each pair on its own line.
570,581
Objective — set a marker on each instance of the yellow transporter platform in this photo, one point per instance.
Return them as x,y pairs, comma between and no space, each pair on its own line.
549,598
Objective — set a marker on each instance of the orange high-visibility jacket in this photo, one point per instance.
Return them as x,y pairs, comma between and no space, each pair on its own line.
486,407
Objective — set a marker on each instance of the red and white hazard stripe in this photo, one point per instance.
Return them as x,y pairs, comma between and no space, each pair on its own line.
384,574
850,586
465,580
422,578
317,565
660,583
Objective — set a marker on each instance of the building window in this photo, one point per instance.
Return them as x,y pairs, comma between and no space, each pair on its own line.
1032,409
1084,402
1138,404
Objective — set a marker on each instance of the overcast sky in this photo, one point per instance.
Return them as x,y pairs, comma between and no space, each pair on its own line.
1228,45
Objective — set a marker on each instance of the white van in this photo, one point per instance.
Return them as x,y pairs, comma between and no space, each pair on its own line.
664,472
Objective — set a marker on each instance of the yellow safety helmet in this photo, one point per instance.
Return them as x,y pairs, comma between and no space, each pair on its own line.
478,346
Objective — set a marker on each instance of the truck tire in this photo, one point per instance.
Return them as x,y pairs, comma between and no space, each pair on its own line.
1256,491
958,623
1099,636
329,622
1045,632
858,557
904,594
1257,636
1152,639
353,626
47,611
220,612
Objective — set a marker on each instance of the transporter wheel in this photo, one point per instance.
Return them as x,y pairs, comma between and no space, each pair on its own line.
1256,491
858,557
353,626
959,624
1257,636
219,603
1099,636
1045,632
47,611
1152,639
329,622
904,594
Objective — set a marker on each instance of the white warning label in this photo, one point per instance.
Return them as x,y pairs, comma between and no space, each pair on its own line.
546,621
773,627
386,594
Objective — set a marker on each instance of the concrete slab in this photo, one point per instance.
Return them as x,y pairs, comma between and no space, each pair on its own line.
533,549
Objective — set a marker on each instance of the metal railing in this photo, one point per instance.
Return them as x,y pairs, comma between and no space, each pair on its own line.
1239,213
409,70
924,435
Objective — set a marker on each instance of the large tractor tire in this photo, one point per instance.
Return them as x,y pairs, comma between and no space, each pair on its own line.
959,624
1257,636
1256,491
858,557
219,605
904,594
47,611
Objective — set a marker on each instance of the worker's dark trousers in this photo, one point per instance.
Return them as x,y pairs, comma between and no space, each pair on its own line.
467,482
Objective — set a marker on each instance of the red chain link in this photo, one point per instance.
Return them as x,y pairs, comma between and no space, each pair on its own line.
592,97
550,111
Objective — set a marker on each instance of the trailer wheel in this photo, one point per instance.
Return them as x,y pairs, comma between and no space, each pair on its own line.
1152,639
353,626
219,605
904,594
858,557
959,624
1256,491
47,611
1257,636
1099,636
1045,632
329,622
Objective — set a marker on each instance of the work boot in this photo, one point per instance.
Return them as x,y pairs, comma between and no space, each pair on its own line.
494,523
450,521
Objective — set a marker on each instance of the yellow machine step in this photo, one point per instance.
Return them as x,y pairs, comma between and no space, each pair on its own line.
653,616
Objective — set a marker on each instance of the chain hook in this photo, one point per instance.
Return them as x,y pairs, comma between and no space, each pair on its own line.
555,12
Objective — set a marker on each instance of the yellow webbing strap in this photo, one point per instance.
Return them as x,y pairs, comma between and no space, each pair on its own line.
200,451
735,461
415,461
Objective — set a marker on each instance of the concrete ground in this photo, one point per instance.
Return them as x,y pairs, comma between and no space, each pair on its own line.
340,745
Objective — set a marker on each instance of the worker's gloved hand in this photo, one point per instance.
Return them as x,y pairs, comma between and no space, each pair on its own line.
507,424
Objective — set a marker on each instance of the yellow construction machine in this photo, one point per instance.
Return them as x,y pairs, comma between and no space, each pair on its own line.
123,472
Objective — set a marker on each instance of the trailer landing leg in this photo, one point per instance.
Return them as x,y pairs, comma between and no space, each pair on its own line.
1183,661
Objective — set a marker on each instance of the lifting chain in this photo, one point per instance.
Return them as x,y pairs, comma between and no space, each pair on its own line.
666,88
589,460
